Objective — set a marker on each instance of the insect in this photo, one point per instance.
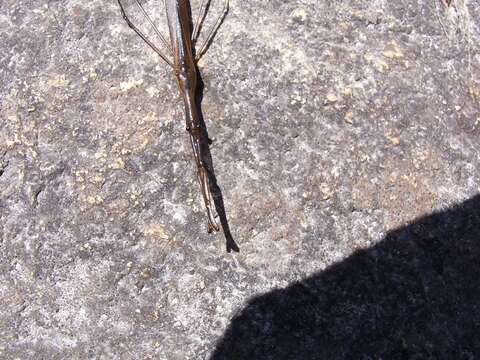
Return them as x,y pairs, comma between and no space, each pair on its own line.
184,35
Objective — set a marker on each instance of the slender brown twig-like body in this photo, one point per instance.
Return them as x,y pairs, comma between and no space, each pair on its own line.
181,47
179,24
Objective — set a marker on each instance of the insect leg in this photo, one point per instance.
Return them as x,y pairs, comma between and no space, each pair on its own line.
202,13
202,176
143,37
149,19
213,31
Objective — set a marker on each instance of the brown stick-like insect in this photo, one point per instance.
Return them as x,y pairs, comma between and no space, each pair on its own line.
182,48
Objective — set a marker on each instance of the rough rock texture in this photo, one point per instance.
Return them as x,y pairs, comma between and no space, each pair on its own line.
339,127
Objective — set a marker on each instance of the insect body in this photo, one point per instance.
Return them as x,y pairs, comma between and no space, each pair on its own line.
182,48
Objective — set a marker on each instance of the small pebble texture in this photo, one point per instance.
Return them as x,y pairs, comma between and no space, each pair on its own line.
346,146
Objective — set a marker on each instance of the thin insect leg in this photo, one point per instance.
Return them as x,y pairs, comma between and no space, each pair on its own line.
207,196
204,185
149,19
212,225
143,37
202,177
199,21
213,31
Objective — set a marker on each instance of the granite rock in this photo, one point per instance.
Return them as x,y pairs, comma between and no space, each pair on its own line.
335,123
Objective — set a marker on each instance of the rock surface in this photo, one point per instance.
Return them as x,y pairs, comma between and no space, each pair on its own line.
337,125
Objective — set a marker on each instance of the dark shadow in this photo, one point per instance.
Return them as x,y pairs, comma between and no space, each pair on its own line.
415,295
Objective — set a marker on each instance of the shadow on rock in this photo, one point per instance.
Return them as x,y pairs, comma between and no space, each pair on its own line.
415,295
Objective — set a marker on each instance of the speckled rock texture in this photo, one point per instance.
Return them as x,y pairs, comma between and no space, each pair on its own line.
346,147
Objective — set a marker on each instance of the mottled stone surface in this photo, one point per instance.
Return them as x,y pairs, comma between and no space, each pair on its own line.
337,125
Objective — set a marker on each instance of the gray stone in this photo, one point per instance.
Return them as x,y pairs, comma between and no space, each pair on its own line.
336,123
